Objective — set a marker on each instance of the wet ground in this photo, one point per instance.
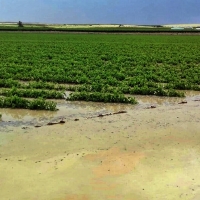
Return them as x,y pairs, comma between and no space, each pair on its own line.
145,154
73,110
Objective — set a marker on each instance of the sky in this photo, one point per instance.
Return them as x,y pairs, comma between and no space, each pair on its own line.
143,12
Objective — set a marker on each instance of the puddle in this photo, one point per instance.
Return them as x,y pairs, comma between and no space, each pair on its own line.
146,100
71,110
143,154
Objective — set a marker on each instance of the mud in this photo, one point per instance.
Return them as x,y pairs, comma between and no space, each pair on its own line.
74,110
144,154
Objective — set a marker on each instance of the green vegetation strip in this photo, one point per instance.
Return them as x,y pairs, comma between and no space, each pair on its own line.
104,68
36,104
120,29
101,97
9,83
32,93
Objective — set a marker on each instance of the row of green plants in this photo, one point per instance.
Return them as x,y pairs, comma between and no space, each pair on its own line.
18,102
9,83
101,97
32,93
77,70
183,85
125,87
143,89
129,87
44,65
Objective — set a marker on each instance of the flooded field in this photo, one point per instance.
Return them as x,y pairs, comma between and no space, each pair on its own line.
151,152
70,110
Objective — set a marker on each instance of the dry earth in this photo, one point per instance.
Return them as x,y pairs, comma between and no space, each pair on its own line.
144,154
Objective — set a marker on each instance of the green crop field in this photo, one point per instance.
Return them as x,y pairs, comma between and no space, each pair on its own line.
35,67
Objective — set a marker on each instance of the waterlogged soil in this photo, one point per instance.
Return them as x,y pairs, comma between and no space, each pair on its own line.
151,152
74,110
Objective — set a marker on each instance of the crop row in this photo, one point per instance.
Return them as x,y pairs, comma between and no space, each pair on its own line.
9,83
32,93
98,66
101,97
18,102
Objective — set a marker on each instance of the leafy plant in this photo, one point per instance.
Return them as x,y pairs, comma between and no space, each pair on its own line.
18,102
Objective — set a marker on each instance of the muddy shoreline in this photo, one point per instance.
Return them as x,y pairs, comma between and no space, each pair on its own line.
142,154
75,110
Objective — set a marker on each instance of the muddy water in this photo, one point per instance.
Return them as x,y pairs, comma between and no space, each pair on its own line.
144,154
69,110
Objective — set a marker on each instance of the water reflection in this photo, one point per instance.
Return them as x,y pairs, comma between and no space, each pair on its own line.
97,106
23,114
190,95
158,100
69,108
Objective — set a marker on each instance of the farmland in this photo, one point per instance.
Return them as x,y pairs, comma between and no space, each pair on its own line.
91,149
101,28
101,68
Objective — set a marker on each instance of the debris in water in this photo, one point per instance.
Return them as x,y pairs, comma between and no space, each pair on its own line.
25,127
37,126
107,114
62,121
182,102
120,112
150,107
103,115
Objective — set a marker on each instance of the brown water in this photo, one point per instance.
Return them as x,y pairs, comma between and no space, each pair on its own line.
86,109
144,154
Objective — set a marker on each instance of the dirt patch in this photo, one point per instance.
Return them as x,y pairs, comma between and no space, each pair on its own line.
114,162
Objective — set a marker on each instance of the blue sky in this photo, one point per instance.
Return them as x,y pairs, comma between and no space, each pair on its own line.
101,11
